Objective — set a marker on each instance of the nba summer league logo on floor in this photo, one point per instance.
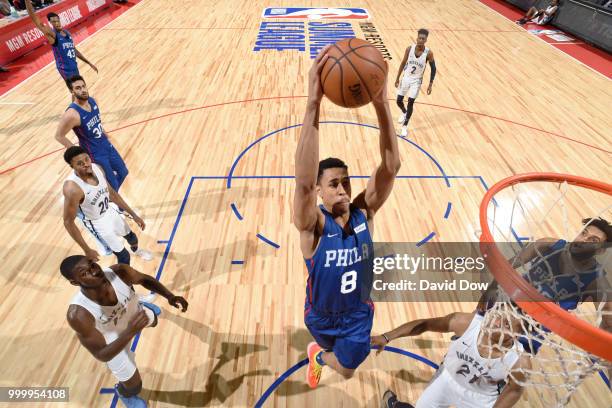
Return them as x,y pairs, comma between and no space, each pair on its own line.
286,35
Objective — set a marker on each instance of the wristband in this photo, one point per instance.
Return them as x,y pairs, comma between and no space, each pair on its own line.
386,338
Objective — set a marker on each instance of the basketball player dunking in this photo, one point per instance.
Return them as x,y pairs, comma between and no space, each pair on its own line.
335,237
413,68
466,379
87,190
64,51
106,314
83,117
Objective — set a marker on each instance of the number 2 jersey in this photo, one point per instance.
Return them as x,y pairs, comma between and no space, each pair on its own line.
340,270
96,198
90,132
415,66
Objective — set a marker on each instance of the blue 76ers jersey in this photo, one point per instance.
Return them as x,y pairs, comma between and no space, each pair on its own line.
340,270
546,275
90,133
65,54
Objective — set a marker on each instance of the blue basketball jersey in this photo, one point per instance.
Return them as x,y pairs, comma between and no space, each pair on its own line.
545,274
339,272
90,133
65,54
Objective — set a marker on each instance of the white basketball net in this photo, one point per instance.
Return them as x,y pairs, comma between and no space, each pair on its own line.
537,210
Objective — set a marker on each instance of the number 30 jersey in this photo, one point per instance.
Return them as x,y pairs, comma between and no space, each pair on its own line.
95,202
340,270
90,132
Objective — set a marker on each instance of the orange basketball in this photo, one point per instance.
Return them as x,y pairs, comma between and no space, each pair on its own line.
354,73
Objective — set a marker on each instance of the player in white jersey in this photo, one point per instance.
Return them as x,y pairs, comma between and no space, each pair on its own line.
106,314
87,190
413,68
466,379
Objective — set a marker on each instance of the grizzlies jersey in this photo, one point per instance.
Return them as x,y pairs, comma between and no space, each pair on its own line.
90,132
415,67
547,276
472,371
95,198
111,321
339,272
65,54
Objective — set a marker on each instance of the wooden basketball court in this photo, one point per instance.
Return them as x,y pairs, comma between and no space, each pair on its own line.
208,129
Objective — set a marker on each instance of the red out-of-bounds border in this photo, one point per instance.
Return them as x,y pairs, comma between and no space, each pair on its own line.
593,57
40,55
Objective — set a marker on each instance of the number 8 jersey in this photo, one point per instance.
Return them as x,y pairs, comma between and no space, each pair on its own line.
339,272
96,198
90,132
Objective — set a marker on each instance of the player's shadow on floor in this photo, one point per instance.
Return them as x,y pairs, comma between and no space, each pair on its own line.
228,354
217,388
208,202
114,115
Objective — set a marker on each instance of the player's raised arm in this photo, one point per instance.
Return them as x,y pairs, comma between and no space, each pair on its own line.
47,31
307,153
381,182
70,119
455,322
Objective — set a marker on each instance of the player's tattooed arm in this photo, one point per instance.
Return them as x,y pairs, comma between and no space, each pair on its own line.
47,31
432,64
72,197
82,322
70,119
132,277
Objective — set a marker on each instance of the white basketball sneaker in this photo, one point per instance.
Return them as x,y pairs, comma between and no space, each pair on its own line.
401,118
404,131
144,254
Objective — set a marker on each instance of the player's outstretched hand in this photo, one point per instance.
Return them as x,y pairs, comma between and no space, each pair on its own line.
94,67
378,341
179,302
92,254
315,89
429,89
140,222
397,83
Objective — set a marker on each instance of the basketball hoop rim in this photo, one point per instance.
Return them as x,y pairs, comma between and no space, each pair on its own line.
592,339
